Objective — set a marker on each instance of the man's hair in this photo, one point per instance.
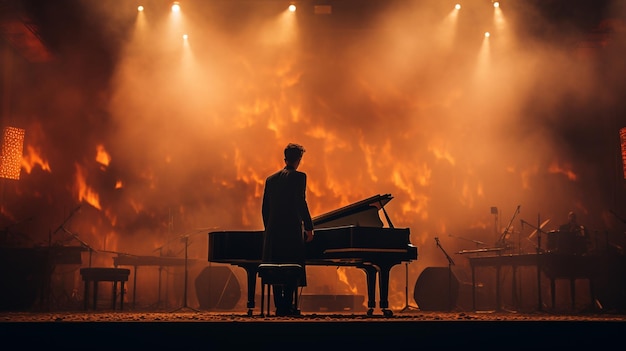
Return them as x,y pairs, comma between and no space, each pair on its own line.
293,152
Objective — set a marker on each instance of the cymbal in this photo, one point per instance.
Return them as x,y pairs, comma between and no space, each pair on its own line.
540,227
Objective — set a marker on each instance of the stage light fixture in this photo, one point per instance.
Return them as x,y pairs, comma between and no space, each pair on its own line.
140,8
457,6
496,4
487,34
292,8
176,6
12,149
322,9
622,135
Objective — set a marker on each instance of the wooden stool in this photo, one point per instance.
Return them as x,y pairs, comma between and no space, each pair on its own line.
101,274
278,274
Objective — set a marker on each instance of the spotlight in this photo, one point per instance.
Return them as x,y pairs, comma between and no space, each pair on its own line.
140,8
176,6
185,36
292,8
496,4
487,34
457,6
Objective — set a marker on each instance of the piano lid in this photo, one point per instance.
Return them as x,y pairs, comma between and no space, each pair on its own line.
362,213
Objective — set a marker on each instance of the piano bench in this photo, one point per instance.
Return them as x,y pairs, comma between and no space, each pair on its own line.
278,274
101,274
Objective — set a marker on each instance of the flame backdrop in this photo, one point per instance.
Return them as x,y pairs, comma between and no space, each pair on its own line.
157,136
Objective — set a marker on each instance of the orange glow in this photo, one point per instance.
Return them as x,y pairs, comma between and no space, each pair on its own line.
32,158
418,102
102,156
566,170
342,276
84,192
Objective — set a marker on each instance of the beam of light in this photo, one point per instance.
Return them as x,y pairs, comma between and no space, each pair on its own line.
176,13
140,21
281,30
448,27
482,71
499,20
176,7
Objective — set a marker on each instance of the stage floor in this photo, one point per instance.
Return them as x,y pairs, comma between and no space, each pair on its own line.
191,330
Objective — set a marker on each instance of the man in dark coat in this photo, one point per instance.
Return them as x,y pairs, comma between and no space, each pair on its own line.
285,215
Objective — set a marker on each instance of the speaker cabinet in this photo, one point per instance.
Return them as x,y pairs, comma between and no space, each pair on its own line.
436,289
217,288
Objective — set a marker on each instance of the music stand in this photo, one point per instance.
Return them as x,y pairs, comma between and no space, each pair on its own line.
185,239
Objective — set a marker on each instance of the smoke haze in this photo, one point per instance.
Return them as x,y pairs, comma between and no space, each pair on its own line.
156,137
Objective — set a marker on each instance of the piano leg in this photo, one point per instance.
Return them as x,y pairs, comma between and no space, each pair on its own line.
382,270
370,274
251,271
383,283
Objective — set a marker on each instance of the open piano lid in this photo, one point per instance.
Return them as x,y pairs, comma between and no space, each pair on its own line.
362,213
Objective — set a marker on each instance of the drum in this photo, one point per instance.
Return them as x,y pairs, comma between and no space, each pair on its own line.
551,246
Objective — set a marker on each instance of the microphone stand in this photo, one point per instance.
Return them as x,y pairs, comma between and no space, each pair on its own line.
539,230
407,307
502,239
185,239
62,226
450,264
82,243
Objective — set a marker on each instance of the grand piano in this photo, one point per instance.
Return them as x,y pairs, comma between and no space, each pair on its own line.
353,236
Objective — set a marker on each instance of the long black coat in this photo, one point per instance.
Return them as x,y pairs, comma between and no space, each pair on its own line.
285,213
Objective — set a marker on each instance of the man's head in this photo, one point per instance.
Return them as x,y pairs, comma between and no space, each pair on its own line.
571,216
293,154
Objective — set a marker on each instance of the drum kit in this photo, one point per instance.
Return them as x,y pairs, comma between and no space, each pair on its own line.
560,241
556,241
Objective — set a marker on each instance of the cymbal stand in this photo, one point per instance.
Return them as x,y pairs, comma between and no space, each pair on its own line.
450,264
407,307
184,306
502,239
